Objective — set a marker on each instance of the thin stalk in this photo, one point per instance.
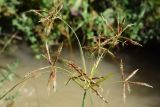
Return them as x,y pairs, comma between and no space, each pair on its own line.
91,99
26,78
84,97
5,94
80,46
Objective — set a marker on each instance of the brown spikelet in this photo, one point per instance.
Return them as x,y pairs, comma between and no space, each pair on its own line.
122,70
52,79
141,83
99,95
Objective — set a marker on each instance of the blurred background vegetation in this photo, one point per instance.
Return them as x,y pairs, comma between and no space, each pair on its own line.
85,18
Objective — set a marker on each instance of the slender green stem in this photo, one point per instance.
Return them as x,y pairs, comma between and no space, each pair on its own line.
84,97
81,51
91,99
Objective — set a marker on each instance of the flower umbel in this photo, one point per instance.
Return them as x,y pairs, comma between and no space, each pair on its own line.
126,81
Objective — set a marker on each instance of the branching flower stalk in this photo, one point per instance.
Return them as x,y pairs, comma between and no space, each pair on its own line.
86,81
103,43
116,39
52,77
126,81
49,20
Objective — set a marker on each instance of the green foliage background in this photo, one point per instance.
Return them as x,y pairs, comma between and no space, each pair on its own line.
85,18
